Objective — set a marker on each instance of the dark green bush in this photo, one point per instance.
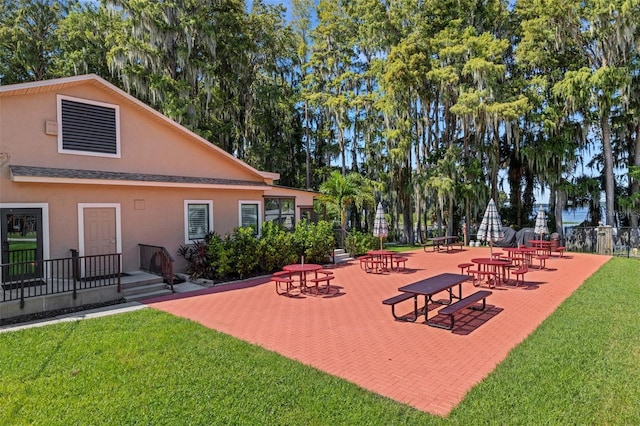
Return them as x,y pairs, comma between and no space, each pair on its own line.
244,248
276,247
358,243
241,254
221,252
314,241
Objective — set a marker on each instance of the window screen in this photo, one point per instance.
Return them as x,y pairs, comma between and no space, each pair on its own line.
249,215
198,217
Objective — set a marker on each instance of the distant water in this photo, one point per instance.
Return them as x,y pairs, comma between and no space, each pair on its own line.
574,217
569,217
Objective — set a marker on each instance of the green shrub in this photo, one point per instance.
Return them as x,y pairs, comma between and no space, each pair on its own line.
244,248
358,243
221,252
241,254
276,247
314,241
322,242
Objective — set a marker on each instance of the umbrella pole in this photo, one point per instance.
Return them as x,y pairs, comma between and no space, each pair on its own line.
381,243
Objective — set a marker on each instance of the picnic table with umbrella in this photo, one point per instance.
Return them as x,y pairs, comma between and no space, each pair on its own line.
540,228
490,229
380,260
380,226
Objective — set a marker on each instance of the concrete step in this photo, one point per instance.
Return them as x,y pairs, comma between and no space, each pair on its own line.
340,256
138,279
139,285
146,288
149,295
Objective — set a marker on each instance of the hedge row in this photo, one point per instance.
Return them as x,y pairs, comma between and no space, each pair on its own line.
242,254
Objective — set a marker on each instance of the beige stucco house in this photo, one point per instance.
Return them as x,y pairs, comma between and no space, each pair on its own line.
85,166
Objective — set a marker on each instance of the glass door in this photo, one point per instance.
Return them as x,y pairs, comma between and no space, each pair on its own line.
21,244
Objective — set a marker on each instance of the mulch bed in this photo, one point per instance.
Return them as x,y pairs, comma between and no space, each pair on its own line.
55,313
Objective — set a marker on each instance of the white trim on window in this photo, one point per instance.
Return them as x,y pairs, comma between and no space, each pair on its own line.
62,150
187,203
251,202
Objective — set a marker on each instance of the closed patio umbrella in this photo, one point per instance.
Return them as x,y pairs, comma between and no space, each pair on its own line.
490,229
380,227
541,224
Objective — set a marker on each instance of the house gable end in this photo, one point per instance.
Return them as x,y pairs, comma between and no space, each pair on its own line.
151,143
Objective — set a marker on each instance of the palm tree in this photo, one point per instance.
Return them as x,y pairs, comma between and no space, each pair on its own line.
340,191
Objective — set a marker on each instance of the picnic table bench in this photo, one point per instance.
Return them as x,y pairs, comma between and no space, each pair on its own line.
322,276
427,287
401,298
456,307
454,243
283,278
447,242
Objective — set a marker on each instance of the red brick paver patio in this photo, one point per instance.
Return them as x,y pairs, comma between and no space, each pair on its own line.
350,334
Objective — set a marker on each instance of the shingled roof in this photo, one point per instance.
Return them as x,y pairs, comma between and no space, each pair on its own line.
56,175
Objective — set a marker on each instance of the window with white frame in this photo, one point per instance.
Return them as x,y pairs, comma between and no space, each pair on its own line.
280,210
88,127
198,216
249,215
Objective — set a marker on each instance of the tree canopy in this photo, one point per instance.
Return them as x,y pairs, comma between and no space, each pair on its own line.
443,103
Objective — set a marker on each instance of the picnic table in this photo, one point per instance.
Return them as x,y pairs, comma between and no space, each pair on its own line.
446,241
382,259
543,247
302,269
428,288
491,268
520,254
432,286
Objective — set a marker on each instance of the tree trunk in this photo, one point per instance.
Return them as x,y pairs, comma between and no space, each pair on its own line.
608,169
417,213
635,183
467,220
561,200
451,221
307,145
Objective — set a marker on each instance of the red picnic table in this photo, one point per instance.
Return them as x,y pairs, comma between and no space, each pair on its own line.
488,267
302,269
542,246
384,258
520,254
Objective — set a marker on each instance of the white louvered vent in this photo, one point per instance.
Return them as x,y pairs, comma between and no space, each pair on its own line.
88,127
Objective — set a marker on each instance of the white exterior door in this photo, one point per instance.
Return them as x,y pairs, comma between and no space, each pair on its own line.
99,231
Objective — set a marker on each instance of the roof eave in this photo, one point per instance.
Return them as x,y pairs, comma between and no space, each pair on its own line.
109,182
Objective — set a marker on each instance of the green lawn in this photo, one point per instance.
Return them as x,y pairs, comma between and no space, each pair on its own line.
399,248
581,366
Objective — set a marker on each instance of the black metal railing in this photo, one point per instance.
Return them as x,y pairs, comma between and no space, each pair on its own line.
157,260
22,280
339,236
19,256
624,241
